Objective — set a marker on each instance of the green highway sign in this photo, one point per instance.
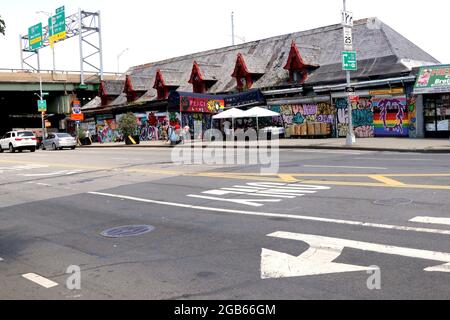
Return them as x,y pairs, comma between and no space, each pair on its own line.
60,9
35,36
57,25
349,61
42,105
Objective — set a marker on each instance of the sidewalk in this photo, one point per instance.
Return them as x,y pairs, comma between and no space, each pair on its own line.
369,144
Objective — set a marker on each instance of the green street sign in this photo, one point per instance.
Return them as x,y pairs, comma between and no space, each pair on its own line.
35,36
60,9
42,105
57,26
349,61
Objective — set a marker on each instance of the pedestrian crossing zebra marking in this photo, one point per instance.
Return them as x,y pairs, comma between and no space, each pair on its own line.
273,192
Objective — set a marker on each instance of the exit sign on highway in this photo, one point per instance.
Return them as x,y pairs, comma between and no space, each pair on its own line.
57,25
35,36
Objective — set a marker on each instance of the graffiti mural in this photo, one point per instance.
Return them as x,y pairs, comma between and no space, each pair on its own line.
151,126
342,116
107,131
304,113
198,123
174,118
362,115
412,115
390,116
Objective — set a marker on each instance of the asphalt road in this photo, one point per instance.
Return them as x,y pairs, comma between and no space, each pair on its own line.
326,225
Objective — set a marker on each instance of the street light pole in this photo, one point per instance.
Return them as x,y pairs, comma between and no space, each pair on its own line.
48,14
351,140
118,58
232,28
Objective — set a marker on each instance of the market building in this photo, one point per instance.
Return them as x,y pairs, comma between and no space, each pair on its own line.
298,75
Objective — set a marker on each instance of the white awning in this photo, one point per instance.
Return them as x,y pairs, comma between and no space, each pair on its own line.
258,112
230,114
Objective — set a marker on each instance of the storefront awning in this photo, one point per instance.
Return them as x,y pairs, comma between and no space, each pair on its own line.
433,79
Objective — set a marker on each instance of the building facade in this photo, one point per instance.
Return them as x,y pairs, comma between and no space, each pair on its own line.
299,75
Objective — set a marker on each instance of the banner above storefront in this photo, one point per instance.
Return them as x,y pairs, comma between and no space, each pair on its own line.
433,79
201,105
197,101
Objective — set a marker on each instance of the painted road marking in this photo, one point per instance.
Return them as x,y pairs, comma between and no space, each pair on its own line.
247,202
276,215
40,184
293,177
44,282
49,174
328,151
26,167
391,159
386,180
318,259
431,220
267,189
344,167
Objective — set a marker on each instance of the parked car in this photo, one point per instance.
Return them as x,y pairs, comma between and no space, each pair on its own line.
18,140
58,141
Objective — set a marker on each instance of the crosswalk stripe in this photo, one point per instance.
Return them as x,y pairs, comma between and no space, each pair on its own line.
44,282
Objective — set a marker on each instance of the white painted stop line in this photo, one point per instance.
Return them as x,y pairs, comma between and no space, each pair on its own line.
318,259
44,282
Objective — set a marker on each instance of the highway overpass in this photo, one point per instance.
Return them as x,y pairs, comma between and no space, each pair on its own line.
19,91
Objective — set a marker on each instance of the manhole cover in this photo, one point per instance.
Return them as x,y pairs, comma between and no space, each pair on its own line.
393,202
127,231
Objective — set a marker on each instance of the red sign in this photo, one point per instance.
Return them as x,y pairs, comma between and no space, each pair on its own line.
77,115
201,105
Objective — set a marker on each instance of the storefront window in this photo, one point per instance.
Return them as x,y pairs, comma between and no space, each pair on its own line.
437,115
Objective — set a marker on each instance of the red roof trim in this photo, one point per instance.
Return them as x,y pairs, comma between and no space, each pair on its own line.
128,89
195,72
102,90
295,61
159,79
240,68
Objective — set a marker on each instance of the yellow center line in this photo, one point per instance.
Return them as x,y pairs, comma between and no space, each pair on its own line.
384,179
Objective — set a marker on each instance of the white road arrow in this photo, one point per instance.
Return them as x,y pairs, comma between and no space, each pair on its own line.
318,259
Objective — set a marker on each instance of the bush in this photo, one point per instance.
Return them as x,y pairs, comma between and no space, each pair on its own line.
81,133
128,125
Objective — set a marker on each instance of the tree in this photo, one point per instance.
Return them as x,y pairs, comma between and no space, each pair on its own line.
2,26
128,124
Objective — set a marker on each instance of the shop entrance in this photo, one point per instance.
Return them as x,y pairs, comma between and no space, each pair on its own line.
437,115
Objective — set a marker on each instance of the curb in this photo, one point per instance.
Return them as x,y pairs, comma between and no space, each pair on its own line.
284,147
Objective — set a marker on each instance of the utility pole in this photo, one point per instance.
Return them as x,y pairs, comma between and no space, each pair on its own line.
52,44
351,140
118,61
232,28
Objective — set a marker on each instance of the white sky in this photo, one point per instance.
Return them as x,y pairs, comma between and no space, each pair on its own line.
156,30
